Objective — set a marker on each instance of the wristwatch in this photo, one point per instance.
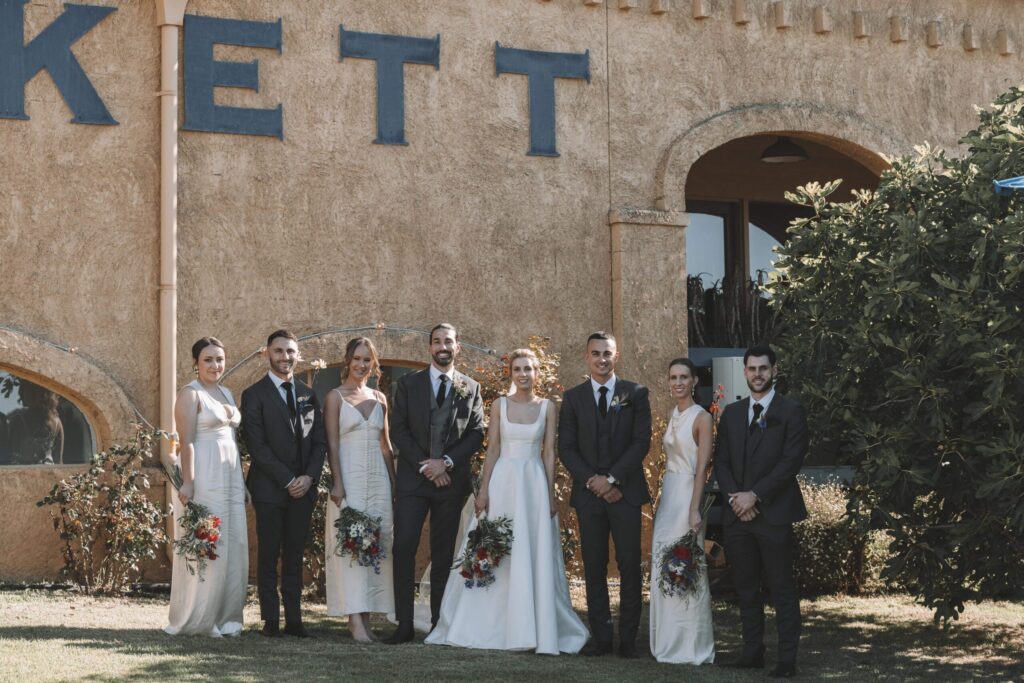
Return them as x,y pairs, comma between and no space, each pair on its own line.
448,462
612,480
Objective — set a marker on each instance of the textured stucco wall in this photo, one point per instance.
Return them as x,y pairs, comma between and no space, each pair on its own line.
325,230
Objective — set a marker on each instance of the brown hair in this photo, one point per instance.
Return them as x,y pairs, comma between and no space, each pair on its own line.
350,350
277,334
202,343
444,326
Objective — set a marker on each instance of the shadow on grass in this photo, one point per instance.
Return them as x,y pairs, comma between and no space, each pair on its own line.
853,645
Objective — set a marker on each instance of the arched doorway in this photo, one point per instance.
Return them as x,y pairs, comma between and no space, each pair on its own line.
738,215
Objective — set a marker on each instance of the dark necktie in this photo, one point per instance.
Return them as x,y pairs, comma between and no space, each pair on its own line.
758,408
602,403
440,390
287,386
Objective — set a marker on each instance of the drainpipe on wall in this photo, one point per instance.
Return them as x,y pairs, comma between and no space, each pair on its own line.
170,15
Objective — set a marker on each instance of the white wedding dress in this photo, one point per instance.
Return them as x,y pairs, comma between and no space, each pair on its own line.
214,605
528,606
681,630
352,589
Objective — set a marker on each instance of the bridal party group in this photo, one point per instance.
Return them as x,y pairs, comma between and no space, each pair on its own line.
395,464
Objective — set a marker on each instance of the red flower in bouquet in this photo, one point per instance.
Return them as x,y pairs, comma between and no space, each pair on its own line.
486,546
682,553
359,536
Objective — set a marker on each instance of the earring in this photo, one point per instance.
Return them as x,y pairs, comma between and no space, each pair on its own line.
195,370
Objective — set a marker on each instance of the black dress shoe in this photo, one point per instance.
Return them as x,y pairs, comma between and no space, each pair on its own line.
596,649
297,630
403,634
271,630
755,661
627,650
783,670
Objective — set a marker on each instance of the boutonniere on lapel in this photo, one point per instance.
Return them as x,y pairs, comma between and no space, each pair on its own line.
762,422
460,388
618,403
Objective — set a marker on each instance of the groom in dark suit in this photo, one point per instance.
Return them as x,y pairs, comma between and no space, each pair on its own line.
604,433
762,442
437,426
284,432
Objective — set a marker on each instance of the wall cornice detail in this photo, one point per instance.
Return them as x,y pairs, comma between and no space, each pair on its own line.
932,31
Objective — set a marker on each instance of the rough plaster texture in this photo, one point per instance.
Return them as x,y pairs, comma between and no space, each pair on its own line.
325,230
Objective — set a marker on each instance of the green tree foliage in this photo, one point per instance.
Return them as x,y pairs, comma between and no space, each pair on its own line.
904,338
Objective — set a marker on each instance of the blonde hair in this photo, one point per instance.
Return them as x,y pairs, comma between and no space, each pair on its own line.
523,353
350,350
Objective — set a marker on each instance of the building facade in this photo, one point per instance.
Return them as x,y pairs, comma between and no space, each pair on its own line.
179,168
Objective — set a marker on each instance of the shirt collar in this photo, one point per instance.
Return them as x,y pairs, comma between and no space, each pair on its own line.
435,374
596,387
278,381
765,401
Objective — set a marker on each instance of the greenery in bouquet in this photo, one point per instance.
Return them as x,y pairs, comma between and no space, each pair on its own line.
680,566
200,531
359,537
488,544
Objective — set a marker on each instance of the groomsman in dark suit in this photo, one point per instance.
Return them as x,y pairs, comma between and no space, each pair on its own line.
762,442
604,433
284,432
437,425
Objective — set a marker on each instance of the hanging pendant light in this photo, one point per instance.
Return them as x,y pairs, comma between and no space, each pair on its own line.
783,151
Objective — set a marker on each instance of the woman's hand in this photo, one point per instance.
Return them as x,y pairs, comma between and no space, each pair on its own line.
481,503
337,493
185,493
695,521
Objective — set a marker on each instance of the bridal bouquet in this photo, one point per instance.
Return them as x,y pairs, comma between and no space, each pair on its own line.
200,531
679,566
358,537
488,544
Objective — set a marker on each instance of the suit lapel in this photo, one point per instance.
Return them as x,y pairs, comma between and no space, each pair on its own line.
588,411
621,395
278,400
427,395
740,427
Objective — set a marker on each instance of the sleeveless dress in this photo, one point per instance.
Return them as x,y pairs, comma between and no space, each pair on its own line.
528,605
681,630
214,605
352,589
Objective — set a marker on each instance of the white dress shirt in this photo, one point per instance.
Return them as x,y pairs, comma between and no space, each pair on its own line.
596,388
435,379
280,389
765,402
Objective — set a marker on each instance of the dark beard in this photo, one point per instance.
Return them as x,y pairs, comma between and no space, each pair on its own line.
767,387
439,363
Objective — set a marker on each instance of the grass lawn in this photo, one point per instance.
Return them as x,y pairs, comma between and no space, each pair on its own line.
55,636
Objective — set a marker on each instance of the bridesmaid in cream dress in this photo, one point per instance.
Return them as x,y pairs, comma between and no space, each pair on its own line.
362,466
207,417
681,629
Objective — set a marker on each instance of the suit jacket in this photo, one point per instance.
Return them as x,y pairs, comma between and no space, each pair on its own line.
768,465
270,436
630,440
410,433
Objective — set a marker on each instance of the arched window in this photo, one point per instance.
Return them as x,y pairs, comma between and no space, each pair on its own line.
39,426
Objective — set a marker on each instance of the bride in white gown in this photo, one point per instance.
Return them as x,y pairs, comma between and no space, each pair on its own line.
681,629
528,605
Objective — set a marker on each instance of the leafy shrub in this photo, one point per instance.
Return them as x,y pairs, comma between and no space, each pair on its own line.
833,554
106,523
904,328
